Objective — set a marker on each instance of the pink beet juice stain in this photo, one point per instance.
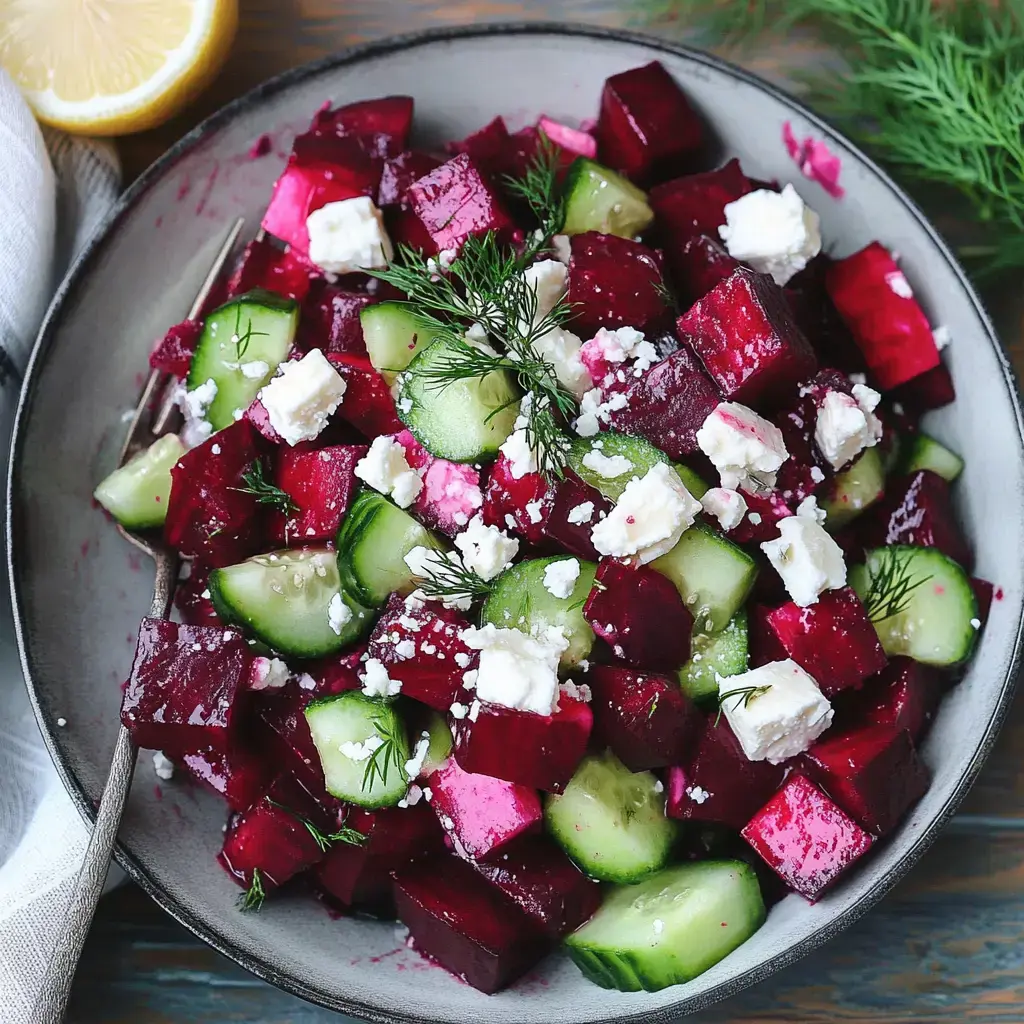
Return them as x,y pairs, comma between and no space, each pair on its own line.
815,160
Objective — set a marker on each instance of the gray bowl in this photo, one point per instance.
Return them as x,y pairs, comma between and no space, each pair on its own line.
79,590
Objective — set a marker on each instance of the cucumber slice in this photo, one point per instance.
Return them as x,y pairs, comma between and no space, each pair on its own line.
671,927
520,600
440,747
393,336
463,421
254,331
374,538
136,494
855,489
598,199
365,777
285,599
692,482
936,622
715,654
924,452
642,455
713,575
612,821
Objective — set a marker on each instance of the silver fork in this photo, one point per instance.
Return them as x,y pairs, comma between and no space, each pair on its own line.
145,428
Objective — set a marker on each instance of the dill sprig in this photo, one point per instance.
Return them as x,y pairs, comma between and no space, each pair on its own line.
387,754
264,491
241,338
323,840
253,897
538,187
446,577
747,693
890,584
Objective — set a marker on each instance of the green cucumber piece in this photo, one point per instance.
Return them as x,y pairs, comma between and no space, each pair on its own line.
440,747
265,323
374,538
286,600
464,421
669,928
354,718
136,494
924,452
598,199
393,336
612,821
715,654
937,621
519,600
854,489
692,482
713,575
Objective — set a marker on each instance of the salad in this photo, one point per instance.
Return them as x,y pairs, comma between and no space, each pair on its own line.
566,564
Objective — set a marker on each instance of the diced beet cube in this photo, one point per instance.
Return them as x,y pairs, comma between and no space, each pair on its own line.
806,470
695,205
832,639
569,493
903,697
539,878
646,128
330,320
615,282
668,405
718,783
458,200
872,294
699,265
400,172
423,648
916,510
320,484
481,814
360,875
488,147
805,837
572,140
770,508
929,390
466,924
639,613
173,354
185,685
192,598
646,719
747,339
383,124
764,644
521,151
873,773
540,751
239,775
983,593
405,228
295,752
265,265
209,516
368,404
506,499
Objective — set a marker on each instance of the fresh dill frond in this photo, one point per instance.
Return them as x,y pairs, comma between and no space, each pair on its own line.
387,754
253,897
264,491
239,338
446,577
891,584
545,436
539,188
747,693
323,840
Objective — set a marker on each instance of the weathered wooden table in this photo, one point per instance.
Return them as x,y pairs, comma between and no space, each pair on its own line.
946,945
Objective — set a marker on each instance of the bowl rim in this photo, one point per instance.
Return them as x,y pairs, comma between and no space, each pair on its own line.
263,968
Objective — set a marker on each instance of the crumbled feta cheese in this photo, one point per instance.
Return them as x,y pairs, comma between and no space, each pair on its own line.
268,674
510,521
745,448
659,926
458,711
847,424
775,232
808,509
307,682
405,649
561,246
412,797
581,514
376,681
649,517
535,510
414,765
784,719
522,458
817,475
339,614
348,236
726,505
474,710
302,397
942,337
254,369
194,405
807,558
576,691
594,411
163,766
697,795
361,751
976,623
61,722
517,670
561,348
426,562
608,467
486,550
385,468
548,279
620,346
560,577
898,284
462,659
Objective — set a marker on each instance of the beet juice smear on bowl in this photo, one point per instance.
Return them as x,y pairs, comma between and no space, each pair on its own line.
567,565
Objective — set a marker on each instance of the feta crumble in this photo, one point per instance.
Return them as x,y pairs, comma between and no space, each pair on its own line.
194,405
414,766
808,509
698,795
807,558
268,674
847,424
745,448
458,711
560,577
486,550
339,615
385,468
582,513
300,400
607,466
376,681
898,284
348,236
535,511
594,411
561,348
561,246
361,751
942,337
522,458
726,505
163,766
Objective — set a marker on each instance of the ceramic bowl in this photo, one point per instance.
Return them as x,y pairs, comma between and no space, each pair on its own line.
79,590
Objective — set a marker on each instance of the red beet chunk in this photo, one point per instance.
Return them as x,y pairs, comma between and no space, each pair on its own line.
209,517
506,498
668,405
458,200
832,639
699,265
368,404
185,685
239,775
646,719
174,352
320,484
293,747
748,340
640,614
695,205
646,128
488,147
903,697
916,510
539,751
265,265
806,838
360,875
929,390
615,282
873,773
192,598
764,644
382,124
330,320
571,140
427,653
468,926
400,172
571,492
541,880
719,784
480,814
873,296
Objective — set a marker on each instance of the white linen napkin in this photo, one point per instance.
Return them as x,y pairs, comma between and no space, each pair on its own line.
54,192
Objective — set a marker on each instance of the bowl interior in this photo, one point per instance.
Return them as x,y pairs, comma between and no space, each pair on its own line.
80,589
